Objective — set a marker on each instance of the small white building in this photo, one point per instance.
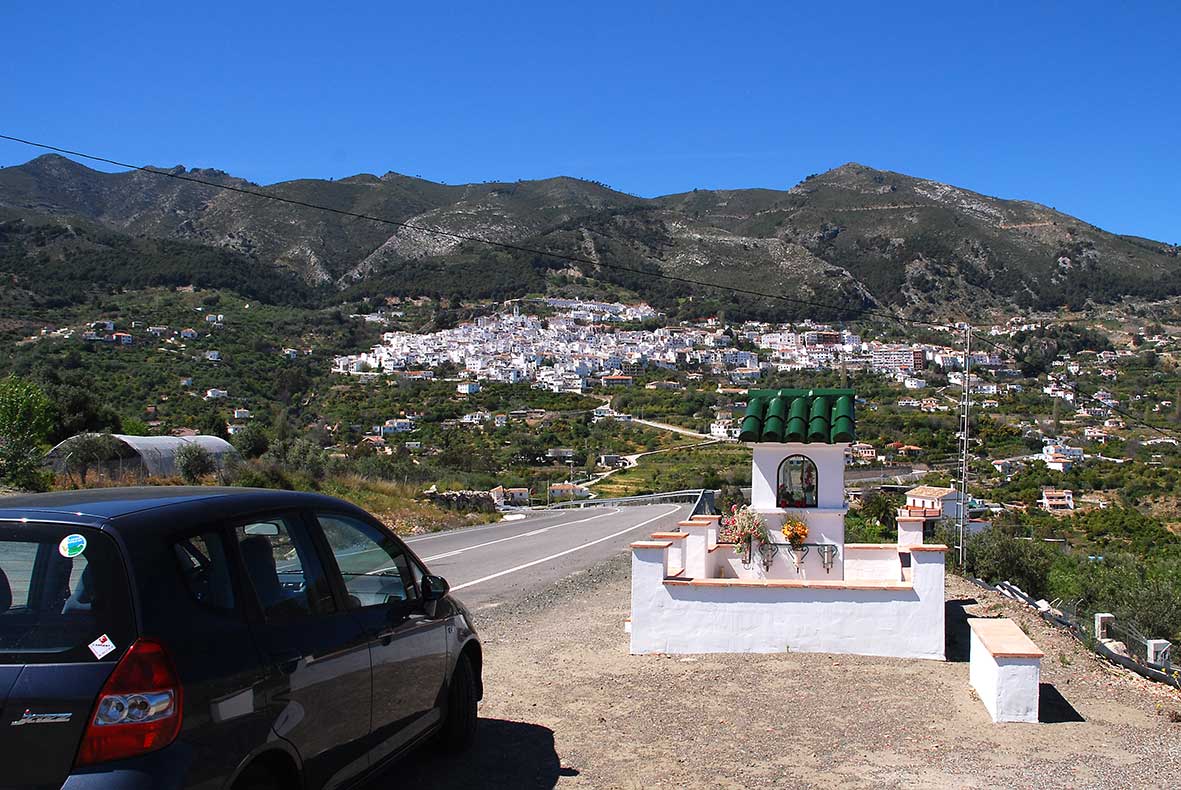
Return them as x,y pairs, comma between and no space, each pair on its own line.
514,497
396,425
934,501
1061,457
467,387
724,429
863,452
1093,434
693,594
1054,500
563,491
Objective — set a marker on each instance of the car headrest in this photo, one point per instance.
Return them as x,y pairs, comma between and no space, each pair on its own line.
259,559
82,598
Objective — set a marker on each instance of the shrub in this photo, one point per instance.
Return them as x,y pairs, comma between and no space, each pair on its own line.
260,474
297,455
194,462
251,441
861,530
1144,593
997,556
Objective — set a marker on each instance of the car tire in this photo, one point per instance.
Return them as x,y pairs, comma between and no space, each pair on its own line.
460,709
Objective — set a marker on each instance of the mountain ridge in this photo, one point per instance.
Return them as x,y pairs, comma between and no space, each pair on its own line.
853,234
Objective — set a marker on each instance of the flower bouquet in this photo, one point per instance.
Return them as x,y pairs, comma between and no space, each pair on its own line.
795,529
743,527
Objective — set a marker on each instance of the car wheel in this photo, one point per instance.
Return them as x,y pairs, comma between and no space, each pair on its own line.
460,716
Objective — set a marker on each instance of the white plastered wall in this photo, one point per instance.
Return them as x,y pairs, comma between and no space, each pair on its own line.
1007,686
872,563
686,618
826,521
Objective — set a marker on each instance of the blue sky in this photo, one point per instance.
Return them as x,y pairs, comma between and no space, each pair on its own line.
1075,104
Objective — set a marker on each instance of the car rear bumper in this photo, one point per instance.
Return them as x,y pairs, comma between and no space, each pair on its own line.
167,769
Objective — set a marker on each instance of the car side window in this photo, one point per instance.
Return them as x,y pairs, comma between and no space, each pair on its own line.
373,564
282,566
204,566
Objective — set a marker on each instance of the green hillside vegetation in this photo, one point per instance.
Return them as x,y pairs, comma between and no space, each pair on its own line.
56,264
149,372
711,466
1130,484
1118,560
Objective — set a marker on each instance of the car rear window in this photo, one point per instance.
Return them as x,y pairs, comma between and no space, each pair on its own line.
63,595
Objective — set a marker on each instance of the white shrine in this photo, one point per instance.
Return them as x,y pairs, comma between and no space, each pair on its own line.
694,594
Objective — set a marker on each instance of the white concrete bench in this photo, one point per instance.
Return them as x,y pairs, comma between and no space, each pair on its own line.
1005,669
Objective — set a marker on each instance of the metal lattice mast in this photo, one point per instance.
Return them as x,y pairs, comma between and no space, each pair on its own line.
965,414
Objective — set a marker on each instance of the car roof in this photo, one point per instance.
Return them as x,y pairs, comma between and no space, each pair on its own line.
97,506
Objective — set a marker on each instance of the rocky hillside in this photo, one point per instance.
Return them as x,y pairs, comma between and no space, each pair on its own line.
853,235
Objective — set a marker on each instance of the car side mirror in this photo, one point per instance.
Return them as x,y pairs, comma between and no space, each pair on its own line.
434,588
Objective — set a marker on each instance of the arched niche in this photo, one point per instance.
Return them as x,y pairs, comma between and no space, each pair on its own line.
798,484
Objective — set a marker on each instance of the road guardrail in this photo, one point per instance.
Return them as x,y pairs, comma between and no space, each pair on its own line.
701,498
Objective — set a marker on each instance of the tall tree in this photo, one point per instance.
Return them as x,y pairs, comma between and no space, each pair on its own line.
25,421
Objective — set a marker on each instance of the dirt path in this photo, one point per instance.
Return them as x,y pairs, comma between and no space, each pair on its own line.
633,460
566,705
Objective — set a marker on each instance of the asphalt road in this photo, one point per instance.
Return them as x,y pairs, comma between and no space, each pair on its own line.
494,563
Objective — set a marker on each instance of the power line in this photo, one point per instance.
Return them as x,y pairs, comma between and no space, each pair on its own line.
865,311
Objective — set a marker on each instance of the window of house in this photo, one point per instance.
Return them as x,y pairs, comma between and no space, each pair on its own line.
797,482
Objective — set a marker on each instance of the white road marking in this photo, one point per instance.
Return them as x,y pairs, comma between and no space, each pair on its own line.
514,537
469,530
564,553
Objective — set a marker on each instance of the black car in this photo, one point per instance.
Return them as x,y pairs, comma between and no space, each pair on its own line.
220,638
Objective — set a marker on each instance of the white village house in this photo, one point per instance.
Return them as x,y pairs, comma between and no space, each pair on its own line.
692,594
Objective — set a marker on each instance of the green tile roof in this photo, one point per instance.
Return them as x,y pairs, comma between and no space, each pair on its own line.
819,416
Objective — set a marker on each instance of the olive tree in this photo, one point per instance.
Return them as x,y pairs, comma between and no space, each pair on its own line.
194,462
86,450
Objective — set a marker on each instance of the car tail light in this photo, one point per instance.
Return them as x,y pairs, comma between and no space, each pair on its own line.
138,710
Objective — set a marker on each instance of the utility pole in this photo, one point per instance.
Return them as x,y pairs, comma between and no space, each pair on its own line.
965,414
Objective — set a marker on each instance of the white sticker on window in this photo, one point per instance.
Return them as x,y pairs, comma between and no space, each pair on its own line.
71,546
101,646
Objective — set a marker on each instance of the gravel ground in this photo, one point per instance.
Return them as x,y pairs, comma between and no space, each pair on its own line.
567,706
